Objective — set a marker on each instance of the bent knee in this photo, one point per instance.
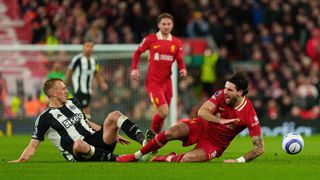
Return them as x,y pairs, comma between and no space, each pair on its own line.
80,146
113,117
163,111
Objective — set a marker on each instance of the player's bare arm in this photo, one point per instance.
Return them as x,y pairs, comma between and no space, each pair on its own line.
103,85
93,125
258,148
135,74
205,112
183,72
28,152
68,76
122,140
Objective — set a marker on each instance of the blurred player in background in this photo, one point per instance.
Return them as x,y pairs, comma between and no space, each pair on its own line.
164,49
82,69
77,138
219,120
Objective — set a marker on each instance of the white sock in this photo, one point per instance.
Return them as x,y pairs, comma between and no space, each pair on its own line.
90,154
120,120
138,154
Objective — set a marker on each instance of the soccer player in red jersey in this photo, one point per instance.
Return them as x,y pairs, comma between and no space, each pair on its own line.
219,120
164,49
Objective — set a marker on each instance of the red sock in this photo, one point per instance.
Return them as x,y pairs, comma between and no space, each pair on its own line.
157,123
177,158
155,144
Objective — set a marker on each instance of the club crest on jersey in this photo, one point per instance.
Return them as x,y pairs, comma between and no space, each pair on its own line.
216,94
172,48
213,154
72,107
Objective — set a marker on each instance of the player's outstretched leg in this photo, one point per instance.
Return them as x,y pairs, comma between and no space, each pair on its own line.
153,145
177,132
149,135
166,158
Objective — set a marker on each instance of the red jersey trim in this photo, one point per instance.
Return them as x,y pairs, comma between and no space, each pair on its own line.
242,104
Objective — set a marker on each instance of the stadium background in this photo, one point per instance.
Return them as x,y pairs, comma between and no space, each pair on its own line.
277,41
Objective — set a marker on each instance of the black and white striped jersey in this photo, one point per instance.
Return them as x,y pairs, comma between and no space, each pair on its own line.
63,126
83,73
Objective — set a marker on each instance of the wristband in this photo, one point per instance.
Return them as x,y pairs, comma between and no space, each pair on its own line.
241,160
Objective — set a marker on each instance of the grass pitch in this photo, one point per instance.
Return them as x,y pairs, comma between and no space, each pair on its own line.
273,164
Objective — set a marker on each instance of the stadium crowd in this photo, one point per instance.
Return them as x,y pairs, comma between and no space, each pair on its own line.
278,40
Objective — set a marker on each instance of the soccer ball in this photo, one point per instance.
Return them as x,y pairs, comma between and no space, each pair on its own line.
292,143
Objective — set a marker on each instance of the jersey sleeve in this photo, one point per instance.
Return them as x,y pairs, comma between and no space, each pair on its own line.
179,56
144,45
41,127
217,98
76,102
74,63
253,123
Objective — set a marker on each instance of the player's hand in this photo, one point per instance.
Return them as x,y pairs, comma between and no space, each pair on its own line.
183,73
135,74
15,161
230,161
226,121
122,140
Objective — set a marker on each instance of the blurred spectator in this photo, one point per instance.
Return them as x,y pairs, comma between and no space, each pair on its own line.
16,110
313,47
208,72
56,71
3,96
198,27
31,107
223,67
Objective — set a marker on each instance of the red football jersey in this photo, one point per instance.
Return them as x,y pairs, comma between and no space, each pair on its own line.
222,134
162,53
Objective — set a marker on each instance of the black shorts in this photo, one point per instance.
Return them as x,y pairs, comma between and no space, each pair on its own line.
84,99
96,140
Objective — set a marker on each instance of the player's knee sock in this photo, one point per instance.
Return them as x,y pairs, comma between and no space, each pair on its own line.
97,154
157,123
130,129
155,144
177,158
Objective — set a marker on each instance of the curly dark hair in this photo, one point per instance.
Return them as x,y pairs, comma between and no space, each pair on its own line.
240,79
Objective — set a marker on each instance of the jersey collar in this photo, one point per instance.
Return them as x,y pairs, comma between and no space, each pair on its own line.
160,37
242,104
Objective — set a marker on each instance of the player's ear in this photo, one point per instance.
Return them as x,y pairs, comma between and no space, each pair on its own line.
240,92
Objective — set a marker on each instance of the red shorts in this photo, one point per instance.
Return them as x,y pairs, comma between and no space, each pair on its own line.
197,136
160,95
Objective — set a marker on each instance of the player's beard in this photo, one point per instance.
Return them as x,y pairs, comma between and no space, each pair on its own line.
232,101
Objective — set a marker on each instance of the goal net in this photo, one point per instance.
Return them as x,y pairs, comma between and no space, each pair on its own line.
26,67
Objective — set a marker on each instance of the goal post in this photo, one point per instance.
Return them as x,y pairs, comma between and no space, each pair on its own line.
25,68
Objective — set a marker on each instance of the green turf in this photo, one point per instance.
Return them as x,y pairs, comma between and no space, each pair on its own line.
273,164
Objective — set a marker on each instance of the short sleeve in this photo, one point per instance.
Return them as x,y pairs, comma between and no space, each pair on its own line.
253,123
41,127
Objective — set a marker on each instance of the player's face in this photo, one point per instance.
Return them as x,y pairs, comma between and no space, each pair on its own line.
87,48
165,25
231,94
60,92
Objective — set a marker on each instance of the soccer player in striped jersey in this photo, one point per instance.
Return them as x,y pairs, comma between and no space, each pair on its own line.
219,120
164,49
77,138
81,71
